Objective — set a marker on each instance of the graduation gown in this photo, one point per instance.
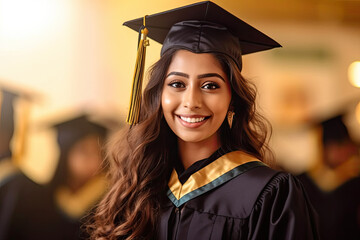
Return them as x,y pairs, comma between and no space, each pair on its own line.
30,211
235,196
43,215
20,202
339,209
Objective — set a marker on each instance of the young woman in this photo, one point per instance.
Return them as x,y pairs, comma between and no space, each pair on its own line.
194,166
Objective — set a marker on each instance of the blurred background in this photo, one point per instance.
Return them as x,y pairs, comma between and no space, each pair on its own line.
74,55
70,57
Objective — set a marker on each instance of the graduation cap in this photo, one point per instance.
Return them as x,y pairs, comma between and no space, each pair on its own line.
11,128
72,130
335,130
202,27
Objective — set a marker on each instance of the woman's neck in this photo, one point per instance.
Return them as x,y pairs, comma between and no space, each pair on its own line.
191,152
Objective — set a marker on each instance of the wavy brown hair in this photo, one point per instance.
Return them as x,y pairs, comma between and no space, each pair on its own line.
139,155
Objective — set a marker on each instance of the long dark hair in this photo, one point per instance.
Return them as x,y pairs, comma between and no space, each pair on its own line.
139,155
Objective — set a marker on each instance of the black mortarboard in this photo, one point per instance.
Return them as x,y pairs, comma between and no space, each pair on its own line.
72,130
334,129
202,27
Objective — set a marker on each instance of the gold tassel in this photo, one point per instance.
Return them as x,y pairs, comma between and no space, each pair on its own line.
136,92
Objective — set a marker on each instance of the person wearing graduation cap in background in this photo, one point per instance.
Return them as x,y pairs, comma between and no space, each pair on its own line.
79,181
78,184
19,195
333,183
192,164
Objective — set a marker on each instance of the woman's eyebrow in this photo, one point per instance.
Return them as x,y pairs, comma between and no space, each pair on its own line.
206,75
178,74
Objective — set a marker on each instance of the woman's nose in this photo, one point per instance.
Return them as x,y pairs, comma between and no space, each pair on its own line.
192,98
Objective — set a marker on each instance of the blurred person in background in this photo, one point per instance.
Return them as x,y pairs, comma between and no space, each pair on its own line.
18,193
77,185
79,181
333,183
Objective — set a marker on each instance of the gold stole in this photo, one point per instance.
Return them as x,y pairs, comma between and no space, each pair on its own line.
76,204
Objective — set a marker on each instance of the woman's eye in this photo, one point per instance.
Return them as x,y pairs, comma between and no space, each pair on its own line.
210,86
176,85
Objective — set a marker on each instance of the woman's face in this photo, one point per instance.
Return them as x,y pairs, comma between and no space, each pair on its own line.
196,96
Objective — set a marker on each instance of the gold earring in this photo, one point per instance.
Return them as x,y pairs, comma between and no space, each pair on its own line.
230,118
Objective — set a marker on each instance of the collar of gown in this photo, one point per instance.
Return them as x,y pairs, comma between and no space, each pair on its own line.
184,174
205,178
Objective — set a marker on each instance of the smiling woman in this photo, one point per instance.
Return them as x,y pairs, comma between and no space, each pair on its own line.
196,164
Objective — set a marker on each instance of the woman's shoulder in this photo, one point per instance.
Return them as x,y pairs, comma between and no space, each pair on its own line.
282,181
282,188
283,209
265,180
261,182
257,188
237,197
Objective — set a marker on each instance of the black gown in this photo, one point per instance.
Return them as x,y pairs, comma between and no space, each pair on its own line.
29,211
235,196
339,209
38,216
20,205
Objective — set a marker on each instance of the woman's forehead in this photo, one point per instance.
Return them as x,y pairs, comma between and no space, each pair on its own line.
194,62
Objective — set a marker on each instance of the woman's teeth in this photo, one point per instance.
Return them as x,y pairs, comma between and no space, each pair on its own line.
192,120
